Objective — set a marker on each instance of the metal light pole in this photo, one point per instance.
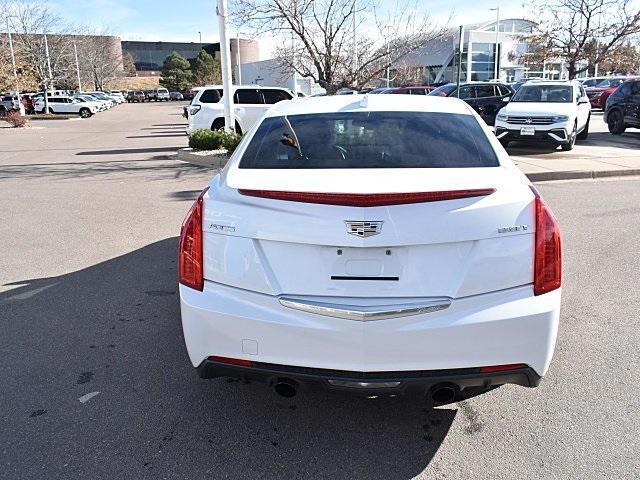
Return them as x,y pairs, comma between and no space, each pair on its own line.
355,44
50,78
225,53
460,45
75,51
200,37
497,46
239,63
13,62
388,58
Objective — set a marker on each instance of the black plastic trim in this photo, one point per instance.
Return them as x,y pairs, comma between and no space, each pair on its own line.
419,381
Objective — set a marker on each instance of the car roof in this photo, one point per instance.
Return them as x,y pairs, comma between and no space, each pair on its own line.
473,83
553,82
364,102
258,87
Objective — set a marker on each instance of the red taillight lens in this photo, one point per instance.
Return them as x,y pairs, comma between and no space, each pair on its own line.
502,368
547,268
190,265
232,361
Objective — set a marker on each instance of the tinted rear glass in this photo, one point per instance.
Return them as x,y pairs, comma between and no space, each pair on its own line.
369,140
442,90
210,96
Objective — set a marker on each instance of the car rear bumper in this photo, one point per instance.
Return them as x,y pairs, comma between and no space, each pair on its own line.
501,328
370,383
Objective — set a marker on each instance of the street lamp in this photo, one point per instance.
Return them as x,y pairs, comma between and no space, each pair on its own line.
200,36
13,62
355,43
225,53
497,47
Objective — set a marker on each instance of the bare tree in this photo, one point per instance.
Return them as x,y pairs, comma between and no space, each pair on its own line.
31,22
100,57
568,28
322,45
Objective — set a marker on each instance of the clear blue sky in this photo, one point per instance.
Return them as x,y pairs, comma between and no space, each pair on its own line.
171,20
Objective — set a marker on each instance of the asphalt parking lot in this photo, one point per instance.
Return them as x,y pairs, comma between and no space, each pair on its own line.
96,382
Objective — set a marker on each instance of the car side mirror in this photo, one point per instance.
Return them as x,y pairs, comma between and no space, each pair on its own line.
506,99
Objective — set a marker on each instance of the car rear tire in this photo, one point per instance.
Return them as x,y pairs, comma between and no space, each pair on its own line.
615,122
572,140
504,143
585,132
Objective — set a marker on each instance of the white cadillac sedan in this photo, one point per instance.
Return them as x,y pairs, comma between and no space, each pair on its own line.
374,244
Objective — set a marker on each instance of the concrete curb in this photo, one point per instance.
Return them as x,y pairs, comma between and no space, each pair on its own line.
578,174
209,158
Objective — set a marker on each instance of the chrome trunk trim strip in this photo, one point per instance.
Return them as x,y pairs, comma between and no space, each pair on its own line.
366,313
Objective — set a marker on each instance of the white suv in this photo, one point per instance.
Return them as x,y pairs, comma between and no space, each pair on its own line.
546,111
381,244
60,104
250,103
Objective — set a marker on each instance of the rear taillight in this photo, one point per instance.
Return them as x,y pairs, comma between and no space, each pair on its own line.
547,267
367,199
502,368
190,265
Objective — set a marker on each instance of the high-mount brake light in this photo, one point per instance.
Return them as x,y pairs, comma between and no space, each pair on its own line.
547,267
190,258
367,199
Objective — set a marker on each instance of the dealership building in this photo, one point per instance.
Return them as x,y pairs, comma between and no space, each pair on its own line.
487,53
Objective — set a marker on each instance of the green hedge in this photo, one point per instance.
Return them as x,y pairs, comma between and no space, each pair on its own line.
204,139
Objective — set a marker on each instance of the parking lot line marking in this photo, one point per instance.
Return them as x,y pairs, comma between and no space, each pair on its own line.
87,397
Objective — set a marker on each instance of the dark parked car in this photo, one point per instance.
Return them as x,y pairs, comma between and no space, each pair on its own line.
486,98
175,96
598,95
28,102
622,109
422,90
136,96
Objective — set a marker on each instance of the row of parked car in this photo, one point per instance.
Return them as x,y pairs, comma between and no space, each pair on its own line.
535,111
539,111
84,104
157,95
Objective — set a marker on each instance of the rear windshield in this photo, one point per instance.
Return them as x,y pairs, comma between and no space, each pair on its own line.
369,140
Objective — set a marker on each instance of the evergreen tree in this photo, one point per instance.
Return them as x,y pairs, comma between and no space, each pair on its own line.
176,72
206,69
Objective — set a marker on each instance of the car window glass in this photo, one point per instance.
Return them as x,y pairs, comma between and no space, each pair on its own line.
210,96
465,93
544,93
246,96
275,96
369,140
484,91
417,91
634,88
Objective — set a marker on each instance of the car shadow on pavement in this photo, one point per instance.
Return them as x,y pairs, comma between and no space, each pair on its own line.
124,151
96,384
630,140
